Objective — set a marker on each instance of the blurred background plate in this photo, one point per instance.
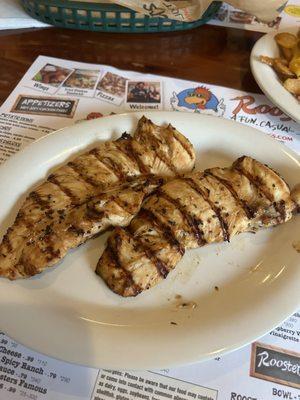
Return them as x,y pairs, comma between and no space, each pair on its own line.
267,78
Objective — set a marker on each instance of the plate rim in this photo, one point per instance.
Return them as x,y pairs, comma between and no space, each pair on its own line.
166,114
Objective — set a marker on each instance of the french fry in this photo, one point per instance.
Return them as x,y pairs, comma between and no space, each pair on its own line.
282,69
282,61
294,64
287,53
286,40
293,86
287,65
267,60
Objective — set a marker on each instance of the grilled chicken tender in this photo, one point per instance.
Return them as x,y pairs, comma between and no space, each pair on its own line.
117,207
190,212
158,150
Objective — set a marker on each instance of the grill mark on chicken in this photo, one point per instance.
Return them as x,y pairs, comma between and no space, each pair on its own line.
82,175
49,250
155,145
181,142
123,147
254,182
52,254
124,137
114,167
160,266
93,214
216,210
74,199
110,164
6,240
167,162
248,210
163,228
280,208
192,222
37,198
114,255
123,205
29,270
129,150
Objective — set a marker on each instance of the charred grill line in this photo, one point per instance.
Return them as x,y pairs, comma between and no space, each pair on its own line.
191,221
162,157
254,182
116,169
110,164
29,269
248,211
76,231
127,150
125,206
123,147
122,205
6,241
47,237
92,214
155,145
37,198
82,175
13,271
143,168
52,253
181,142
74,199
216,210
125,136
280,208
114,255
163,228
161,267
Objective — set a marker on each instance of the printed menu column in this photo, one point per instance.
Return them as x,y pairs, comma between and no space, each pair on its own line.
16,131
30,375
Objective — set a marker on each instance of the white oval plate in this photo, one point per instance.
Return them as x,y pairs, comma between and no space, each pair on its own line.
267,78
69,313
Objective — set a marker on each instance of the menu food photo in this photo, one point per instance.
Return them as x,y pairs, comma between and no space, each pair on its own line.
150,227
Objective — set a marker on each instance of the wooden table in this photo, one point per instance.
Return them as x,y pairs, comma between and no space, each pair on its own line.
206,54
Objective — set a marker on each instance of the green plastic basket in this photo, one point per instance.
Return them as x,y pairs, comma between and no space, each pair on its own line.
106,17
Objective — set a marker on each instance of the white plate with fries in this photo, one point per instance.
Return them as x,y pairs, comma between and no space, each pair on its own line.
269,80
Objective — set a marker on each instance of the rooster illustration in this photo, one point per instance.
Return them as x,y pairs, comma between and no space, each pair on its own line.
199,99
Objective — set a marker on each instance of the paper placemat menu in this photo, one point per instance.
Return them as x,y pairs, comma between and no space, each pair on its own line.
55,93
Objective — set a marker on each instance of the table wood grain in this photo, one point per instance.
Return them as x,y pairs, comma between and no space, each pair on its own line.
207,54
